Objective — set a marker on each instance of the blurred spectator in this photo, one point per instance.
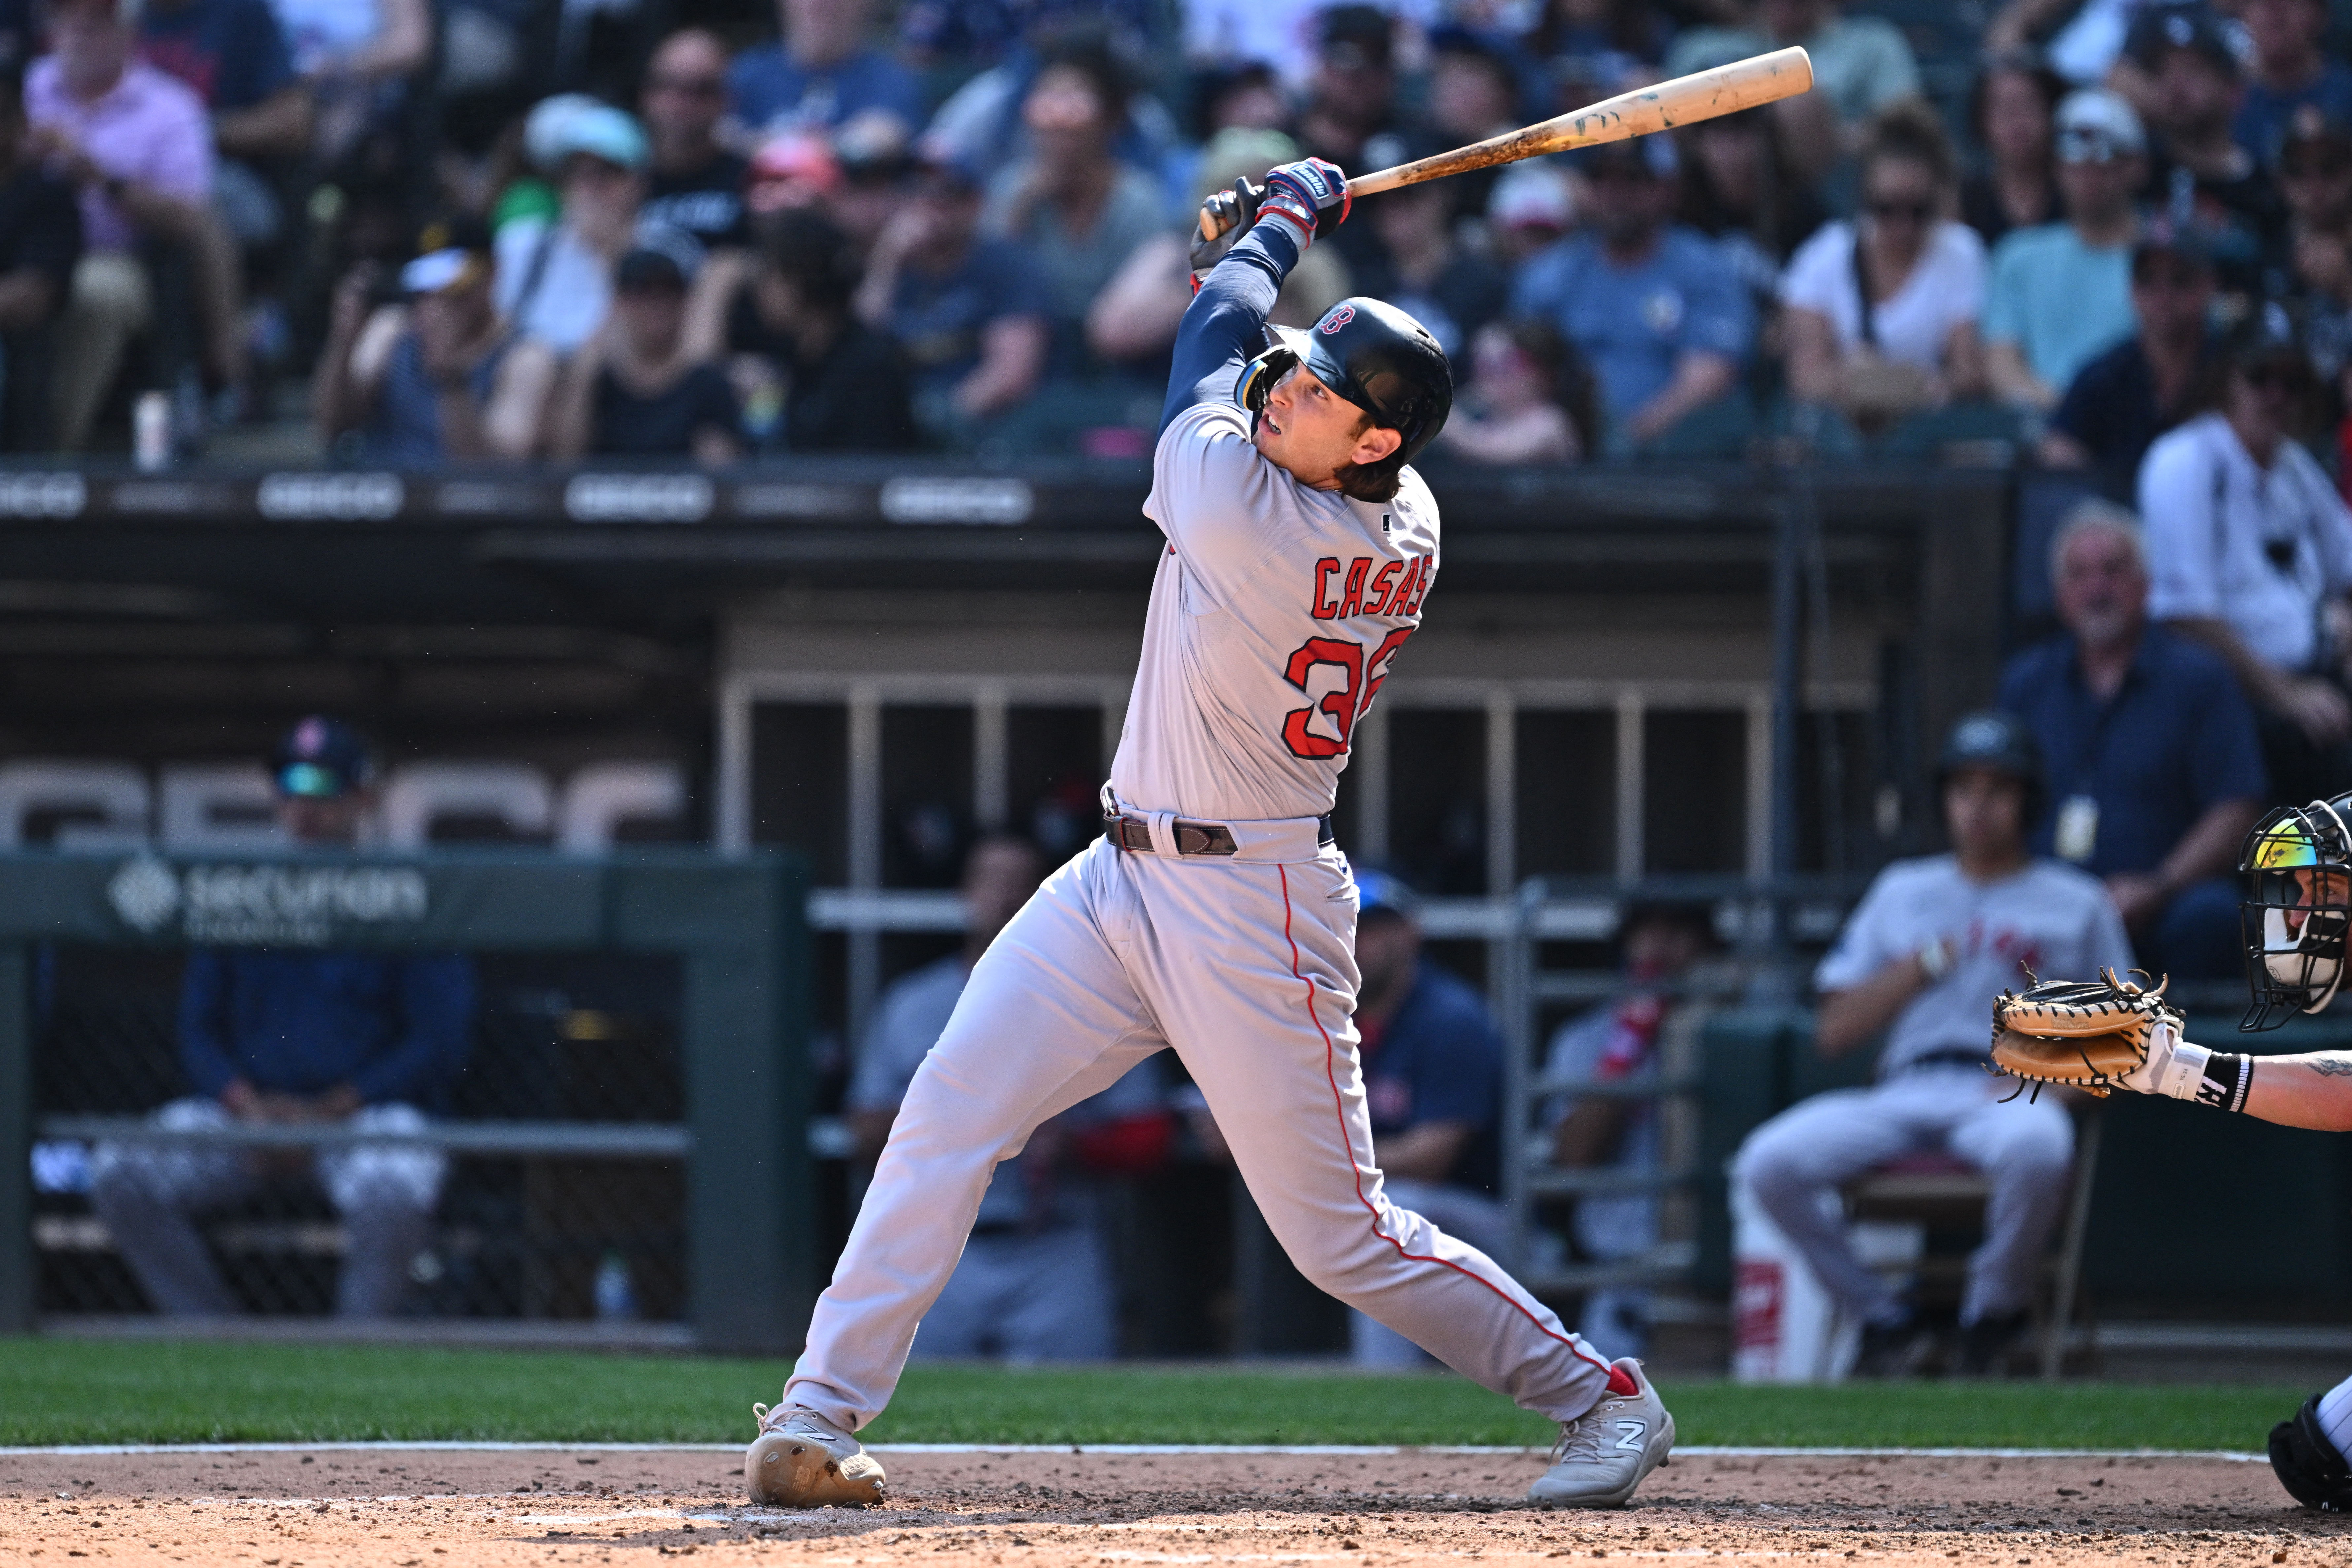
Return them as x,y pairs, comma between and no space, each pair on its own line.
136,145
358,61
294,1037
2250,550
821,73
876,174
957,35
16,37
1074,209
1283,33
693,185
2122,401
971,314
1658,944
1533,206
1861,64
1432,1070
1032,1283
638,388
1920,960
1582,51
2322,312
2153,770
2289,72
983,125
1245,96
1652,307
232,54
1421,268
813,377
1740,190
2013,107
2314,169
2085,38
40,241
1472,94
2061,293
435,374
2200,179
1528,401
555,279
1351,116
1136,314
1882,313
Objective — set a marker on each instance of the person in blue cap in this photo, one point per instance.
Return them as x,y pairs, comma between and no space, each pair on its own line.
290,1036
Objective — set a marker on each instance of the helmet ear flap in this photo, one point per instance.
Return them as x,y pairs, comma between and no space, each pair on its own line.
1258,378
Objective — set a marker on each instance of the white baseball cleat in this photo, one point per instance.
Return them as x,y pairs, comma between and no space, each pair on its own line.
800,1459
1602,1455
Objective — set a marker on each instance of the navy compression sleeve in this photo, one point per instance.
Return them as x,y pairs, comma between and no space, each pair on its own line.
1225,323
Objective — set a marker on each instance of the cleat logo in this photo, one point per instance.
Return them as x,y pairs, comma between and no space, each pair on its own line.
1630,1435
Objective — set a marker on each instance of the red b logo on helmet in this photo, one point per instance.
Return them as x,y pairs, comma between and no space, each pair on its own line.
1339,317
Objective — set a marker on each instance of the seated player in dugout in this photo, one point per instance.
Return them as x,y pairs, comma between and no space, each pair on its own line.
370,1041
1034,1282
2296,871
1921,958
1216,915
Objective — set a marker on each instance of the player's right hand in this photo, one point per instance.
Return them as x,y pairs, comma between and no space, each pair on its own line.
1225,216
1311,194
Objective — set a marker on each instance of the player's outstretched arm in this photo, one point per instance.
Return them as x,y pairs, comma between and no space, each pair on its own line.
2313,1090
2109,1033
1226,323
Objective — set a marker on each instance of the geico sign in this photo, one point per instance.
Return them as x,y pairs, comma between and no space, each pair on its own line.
999,502
42,495
638,498
338,498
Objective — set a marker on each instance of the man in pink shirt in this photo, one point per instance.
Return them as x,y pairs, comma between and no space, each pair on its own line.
138,149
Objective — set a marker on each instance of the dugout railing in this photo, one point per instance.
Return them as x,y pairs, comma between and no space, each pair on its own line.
671,1128
1559,961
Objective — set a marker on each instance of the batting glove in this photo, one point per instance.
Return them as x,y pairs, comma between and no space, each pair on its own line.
1225,216
1310,194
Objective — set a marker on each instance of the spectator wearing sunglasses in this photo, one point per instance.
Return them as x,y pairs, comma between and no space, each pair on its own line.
2061,293
1882,314
2250,552
692,184
296,1037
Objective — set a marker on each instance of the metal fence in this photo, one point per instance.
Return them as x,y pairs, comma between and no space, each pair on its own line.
615,1137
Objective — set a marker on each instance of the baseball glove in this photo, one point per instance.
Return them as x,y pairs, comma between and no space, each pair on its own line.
2089,1034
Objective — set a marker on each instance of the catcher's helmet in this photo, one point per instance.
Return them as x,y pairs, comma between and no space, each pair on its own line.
1372,355
2297,864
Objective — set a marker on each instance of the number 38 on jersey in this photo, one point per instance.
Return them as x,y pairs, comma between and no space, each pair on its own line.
1340,674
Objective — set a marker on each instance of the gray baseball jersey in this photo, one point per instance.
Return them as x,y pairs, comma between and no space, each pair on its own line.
1276,613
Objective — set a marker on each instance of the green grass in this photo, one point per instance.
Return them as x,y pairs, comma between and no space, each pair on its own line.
69,1391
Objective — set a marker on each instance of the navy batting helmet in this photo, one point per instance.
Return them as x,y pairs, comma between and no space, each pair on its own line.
1372,355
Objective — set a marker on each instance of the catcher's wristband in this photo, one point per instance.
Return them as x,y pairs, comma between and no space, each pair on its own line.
2208,1077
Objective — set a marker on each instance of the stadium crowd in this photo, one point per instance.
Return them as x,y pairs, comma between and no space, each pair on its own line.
516,229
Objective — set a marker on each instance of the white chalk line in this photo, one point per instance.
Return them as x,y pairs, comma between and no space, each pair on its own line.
1302,1450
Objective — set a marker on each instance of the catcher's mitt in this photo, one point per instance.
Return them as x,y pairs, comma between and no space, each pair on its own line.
2089,1034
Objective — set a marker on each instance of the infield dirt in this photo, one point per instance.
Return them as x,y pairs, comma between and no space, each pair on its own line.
414,1509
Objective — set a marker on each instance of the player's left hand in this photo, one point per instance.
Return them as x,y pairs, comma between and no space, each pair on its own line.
1311,194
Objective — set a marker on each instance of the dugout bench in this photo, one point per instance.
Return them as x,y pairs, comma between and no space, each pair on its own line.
734,927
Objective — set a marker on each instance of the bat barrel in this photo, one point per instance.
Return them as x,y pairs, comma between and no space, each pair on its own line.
1685,101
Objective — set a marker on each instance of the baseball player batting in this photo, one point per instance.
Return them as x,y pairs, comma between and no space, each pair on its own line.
2112,1033
1215,917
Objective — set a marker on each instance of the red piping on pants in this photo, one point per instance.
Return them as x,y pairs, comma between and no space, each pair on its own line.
1338,1107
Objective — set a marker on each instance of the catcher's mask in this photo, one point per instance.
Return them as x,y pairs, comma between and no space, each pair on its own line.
2297,866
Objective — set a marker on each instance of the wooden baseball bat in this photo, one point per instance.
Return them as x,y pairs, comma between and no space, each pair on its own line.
1685,101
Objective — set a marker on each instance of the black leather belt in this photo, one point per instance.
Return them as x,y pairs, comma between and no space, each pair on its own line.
1192,837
